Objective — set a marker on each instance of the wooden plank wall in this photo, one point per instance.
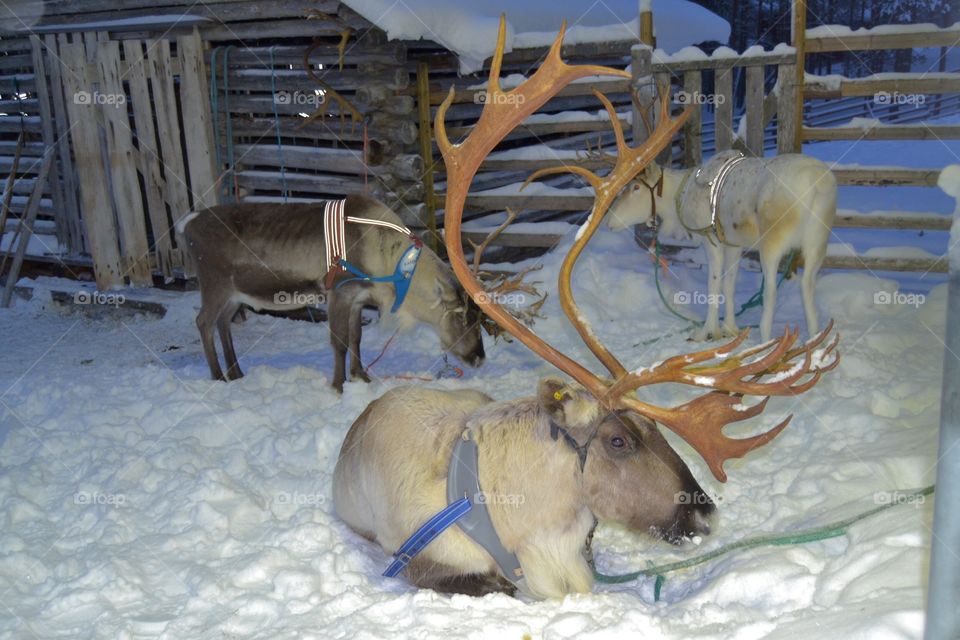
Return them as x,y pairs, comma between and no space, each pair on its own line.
556,141
149,169
21,107
139,165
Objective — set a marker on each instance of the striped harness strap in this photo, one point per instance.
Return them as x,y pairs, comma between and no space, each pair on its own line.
334,236
715,227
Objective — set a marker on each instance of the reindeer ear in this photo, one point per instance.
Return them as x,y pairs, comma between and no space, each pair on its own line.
567,405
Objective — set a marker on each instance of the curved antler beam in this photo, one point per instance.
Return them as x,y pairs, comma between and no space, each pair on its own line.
502,112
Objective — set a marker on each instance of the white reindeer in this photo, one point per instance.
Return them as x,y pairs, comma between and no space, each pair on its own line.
773,205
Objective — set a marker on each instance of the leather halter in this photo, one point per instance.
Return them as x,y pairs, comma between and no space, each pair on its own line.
656,191
556,431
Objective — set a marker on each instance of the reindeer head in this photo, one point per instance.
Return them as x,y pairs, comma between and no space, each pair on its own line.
631,475
773,368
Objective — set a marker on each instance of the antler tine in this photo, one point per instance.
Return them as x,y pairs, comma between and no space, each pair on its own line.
478,249
700,422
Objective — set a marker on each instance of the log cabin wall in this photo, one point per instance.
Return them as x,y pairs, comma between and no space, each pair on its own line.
217,106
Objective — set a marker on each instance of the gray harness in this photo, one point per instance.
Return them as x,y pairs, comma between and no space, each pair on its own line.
463,481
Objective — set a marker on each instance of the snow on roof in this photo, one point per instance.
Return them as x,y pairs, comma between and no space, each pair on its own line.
469,29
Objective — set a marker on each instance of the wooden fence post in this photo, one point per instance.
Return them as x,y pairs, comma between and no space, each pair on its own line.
786,104
754,110
723,112
800,44
84,132
426,151
131,223
692,147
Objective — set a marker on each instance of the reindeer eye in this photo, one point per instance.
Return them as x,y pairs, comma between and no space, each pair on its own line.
617,442
636,186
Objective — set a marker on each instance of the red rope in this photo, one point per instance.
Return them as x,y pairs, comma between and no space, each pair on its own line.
382,351
456,371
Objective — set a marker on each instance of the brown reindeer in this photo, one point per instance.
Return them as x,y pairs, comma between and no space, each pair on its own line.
574,451
270,256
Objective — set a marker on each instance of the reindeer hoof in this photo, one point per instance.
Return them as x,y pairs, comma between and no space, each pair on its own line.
704,335
359,375
730,331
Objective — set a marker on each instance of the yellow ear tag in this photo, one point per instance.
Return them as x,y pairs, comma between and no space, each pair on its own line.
559,395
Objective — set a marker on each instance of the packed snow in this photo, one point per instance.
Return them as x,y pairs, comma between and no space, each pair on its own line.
141,499
470,28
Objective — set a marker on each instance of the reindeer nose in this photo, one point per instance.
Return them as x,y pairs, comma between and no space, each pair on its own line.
701,522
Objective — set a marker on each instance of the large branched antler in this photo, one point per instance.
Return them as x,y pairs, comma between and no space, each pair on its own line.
773,368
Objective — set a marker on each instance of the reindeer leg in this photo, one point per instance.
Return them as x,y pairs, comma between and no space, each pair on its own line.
226,339
206,322
731,265
356,330
446,579
769,262
811,266
338,311
711,326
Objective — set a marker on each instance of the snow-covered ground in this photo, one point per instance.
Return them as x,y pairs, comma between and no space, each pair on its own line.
140,499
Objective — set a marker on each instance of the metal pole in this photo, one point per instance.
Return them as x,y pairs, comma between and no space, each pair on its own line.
943,600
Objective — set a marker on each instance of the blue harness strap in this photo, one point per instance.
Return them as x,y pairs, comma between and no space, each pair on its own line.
426,534
400,278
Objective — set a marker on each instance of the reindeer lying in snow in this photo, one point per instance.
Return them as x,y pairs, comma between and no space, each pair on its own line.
773,205
272,256
540,491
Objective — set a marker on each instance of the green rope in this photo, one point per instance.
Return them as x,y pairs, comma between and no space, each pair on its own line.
755,300
824,532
